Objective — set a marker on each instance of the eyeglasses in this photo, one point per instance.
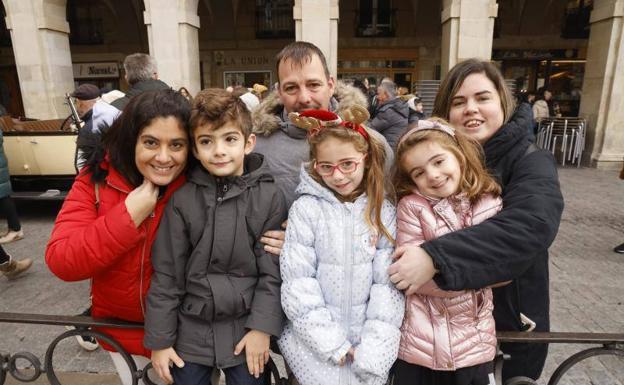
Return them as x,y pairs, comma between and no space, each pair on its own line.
345,167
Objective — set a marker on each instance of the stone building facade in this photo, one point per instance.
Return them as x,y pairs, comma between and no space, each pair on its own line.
573,46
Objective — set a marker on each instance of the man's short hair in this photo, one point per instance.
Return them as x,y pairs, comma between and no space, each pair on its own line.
139,67
216,107
300,53
390,88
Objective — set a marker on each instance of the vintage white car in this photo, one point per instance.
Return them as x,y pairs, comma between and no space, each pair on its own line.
41,157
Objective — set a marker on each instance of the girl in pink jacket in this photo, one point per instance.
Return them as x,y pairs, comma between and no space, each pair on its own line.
447,337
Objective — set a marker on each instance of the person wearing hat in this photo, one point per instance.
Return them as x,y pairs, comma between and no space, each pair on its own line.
416,112
94,112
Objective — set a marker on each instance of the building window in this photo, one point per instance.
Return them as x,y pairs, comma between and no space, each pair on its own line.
274,19
246,78
375,19
5,34
85,22
576,19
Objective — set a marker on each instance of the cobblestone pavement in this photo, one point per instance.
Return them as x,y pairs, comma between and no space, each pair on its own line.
587,282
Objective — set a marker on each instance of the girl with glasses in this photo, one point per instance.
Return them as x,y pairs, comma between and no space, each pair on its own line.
343,312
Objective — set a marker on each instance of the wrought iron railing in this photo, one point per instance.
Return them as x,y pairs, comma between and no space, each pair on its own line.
609,344
8,361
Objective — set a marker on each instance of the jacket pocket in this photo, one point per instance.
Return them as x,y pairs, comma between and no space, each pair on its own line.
198,307
234,294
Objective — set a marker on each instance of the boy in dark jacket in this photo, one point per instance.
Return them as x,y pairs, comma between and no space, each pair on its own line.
215,292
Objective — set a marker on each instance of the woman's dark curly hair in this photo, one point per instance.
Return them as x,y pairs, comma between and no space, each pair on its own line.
119,141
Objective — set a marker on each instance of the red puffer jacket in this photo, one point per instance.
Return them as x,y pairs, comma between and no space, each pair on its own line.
445,330
102,244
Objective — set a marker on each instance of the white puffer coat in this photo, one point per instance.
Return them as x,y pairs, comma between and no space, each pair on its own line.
336,291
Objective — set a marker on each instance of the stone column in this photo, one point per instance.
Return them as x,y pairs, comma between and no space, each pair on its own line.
172,30
602,103
316,21
467,31
40,38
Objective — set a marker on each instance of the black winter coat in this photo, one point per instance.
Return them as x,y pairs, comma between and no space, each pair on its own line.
212,279
139,88
391,120
513,245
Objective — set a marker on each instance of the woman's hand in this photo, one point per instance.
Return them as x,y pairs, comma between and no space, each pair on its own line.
273,240
412,268
160,362
141,201
256,345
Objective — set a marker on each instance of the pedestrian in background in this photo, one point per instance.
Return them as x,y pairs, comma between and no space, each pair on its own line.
542,107
187,95
392,114
141,73
10,267
7,206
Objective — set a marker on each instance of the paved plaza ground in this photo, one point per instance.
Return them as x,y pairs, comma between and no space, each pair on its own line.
587,284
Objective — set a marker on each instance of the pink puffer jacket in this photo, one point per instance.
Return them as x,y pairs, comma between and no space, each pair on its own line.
445,330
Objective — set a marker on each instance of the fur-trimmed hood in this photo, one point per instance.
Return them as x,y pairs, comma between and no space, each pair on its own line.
268,116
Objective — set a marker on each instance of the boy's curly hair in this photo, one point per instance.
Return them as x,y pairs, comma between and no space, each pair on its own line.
216,106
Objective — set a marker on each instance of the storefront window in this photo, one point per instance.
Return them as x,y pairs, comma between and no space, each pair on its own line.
565,81
247,78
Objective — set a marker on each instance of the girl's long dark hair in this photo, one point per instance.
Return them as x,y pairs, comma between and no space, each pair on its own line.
119,141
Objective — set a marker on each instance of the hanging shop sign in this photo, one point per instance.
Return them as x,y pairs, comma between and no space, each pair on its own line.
534,54
247,59
96,70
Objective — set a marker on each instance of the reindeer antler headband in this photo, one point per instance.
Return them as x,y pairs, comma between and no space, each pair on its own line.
315,120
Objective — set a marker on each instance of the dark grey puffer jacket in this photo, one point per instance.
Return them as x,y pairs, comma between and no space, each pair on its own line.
212,280
391,120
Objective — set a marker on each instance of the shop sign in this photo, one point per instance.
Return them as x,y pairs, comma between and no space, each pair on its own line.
96,70
534,54
222,58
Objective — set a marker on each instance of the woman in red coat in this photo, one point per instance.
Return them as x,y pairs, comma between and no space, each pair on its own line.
106,227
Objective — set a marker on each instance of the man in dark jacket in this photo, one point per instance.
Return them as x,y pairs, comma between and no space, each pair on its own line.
215,292
94,112
304,83
392,114
142,75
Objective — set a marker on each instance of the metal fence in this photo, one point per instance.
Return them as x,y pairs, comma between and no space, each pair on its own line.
608,344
